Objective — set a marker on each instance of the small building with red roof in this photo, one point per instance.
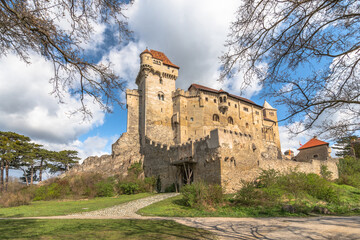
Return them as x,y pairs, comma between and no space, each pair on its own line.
314,149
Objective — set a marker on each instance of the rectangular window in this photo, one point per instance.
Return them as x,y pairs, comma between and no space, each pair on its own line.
246,109
271,113
257,112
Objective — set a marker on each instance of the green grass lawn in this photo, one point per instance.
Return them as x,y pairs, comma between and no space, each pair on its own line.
98,229
56,208
174,207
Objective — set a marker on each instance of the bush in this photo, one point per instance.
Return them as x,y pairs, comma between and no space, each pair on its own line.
128,188
15,199
105,188
200,195
84,185
55,190
171,188
136,169
325,173
272,188
349,171
251,195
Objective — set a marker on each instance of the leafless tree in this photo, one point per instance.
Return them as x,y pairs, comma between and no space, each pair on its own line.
306,55
58,30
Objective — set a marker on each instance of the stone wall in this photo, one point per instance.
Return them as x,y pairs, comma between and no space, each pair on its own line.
125,151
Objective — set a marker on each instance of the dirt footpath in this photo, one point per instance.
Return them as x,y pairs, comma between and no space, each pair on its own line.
279,228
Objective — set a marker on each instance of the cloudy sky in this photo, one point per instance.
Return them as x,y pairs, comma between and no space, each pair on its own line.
190,33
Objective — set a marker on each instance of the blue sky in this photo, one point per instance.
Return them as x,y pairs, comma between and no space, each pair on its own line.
191,33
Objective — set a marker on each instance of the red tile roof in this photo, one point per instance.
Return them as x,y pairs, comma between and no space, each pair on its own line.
313,143
197,86
160,56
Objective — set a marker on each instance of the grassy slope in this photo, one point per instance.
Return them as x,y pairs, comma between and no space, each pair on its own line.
98,229
173,207
55,208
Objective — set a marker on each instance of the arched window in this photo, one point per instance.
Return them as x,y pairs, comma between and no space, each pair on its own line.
161,96
230,120
161,81
247,125
221,99
216,118
224,99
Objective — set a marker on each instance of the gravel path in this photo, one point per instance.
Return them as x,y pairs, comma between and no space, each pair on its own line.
126,209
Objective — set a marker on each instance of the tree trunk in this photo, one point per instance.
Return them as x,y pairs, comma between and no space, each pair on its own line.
26,179
2,175
31,174
40,170
7,175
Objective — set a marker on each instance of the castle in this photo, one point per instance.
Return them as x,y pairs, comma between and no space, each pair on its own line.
201,134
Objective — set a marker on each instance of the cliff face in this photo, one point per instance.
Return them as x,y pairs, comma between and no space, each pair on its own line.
125,151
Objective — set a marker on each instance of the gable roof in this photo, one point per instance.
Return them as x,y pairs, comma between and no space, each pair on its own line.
200,87
313,143
267,105
160,56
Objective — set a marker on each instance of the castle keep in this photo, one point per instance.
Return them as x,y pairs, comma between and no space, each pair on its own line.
201,134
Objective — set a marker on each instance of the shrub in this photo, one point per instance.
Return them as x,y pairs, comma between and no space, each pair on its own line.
136,169
251,195
15,199
171,188
349,171
325,173
267,178
200,195
84,185
128,188
52,191
105,188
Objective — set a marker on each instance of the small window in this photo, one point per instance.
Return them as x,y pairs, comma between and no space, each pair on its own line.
246,109
162,97
220,99
224,99
229,104
191,119
247,125
161,81
159,96
206,99
235,106
216,118
230,120
271,113
316,156
257,112
215,100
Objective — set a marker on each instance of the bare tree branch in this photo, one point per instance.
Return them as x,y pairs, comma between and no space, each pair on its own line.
311,50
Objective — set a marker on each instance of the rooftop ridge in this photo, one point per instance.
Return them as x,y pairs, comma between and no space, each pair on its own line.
160,56
313,143
201,87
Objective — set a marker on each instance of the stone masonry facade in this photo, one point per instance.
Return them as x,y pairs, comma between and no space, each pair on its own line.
201,134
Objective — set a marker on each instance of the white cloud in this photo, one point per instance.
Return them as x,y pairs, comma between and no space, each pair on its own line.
27,107
191,34
290,142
